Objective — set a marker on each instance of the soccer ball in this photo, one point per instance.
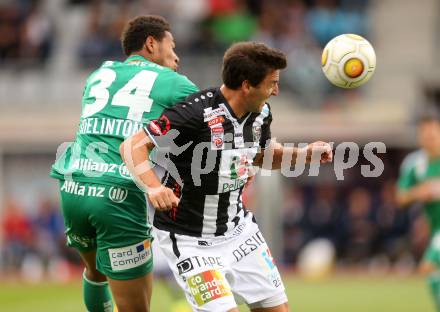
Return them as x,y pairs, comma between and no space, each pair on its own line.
348,61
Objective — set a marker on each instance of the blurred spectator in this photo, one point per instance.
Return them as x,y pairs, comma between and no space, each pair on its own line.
37,36
322,214
49,231
27,33
9,28
419,236
360,230
17,236
101,40
231,23
393,224
326,19
294,230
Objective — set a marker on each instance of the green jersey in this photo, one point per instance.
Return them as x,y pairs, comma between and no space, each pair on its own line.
119,99
418,168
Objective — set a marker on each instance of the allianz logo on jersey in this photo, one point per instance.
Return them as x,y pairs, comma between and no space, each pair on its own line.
130,256
88,165
234,168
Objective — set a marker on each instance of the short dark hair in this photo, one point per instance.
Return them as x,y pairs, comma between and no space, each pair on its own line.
429,114
138,29
250,61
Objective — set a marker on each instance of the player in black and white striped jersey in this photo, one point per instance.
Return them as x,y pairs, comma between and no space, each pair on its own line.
210,190
211,142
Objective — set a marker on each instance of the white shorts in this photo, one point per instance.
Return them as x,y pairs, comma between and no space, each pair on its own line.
218,273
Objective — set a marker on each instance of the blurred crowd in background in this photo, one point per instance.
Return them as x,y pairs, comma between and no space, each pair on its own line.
300,28
201,26
33,242
28,34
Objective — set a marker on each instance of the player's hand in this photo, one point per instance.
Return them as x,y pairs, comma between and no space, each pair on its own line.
162,198
320,148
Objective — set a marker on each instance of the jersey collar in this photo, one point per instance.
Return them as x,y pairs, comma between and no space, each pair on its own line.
229,108
136,58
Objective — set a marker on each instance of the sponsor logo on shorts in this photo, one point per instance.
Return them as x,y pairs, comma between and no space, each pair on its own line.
208,286
190,263
268,259
185,266
269,265
275,278
79,189
85,242
129,257
248,246
117,194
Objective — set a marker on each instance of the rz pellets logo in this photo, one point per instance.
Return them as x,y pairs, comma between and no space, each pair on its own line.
117,194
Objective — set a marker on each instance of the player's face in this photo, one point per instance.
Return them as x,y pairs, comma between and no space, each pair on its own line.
429,136
167,57
267,88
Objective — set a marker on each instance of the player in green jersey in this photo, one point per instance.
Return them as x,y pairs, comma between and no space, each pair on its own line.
419,181
104,211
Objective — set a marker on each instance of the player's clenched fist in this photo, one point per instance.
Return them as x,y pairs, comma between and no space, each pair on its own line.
321,149
163,198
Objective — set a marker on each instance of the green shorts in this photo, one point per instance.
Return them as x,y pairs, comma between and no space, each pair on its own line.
111,220
432,253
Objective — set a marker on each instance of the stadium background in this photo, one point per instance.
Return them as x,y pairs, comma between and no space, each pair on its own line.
48,47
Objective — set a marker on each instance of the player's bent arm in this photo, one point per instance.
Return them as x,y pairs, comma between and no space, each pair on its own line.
275,152
135,152
404,198
423,192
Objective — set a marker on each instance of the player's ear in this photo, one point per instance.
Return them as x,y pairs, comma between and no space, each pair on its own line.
246,86
150,42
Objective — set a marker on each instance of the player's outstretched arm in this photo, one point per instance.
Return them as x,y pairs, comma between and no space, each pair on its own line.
319,150
423,192
135,152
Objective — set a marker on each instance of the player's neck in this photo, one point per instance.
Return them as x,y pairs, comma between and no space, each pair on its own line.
434,154
145,55
235,101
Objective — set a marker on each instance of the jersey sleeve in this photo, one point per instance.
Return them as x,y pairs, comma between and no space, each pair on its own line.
182,87
183,117
265,127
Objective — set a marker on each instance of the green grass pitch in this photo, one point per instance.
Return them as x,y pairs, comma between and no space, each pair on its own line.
347,293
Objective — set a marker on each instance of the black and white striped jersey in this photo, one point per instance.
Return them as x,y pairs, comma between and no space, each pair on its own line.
208,153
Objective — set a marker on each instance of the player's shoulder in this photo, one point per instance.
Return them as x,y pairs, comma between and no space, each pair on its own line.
178,79
195,104
204,98
414,160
